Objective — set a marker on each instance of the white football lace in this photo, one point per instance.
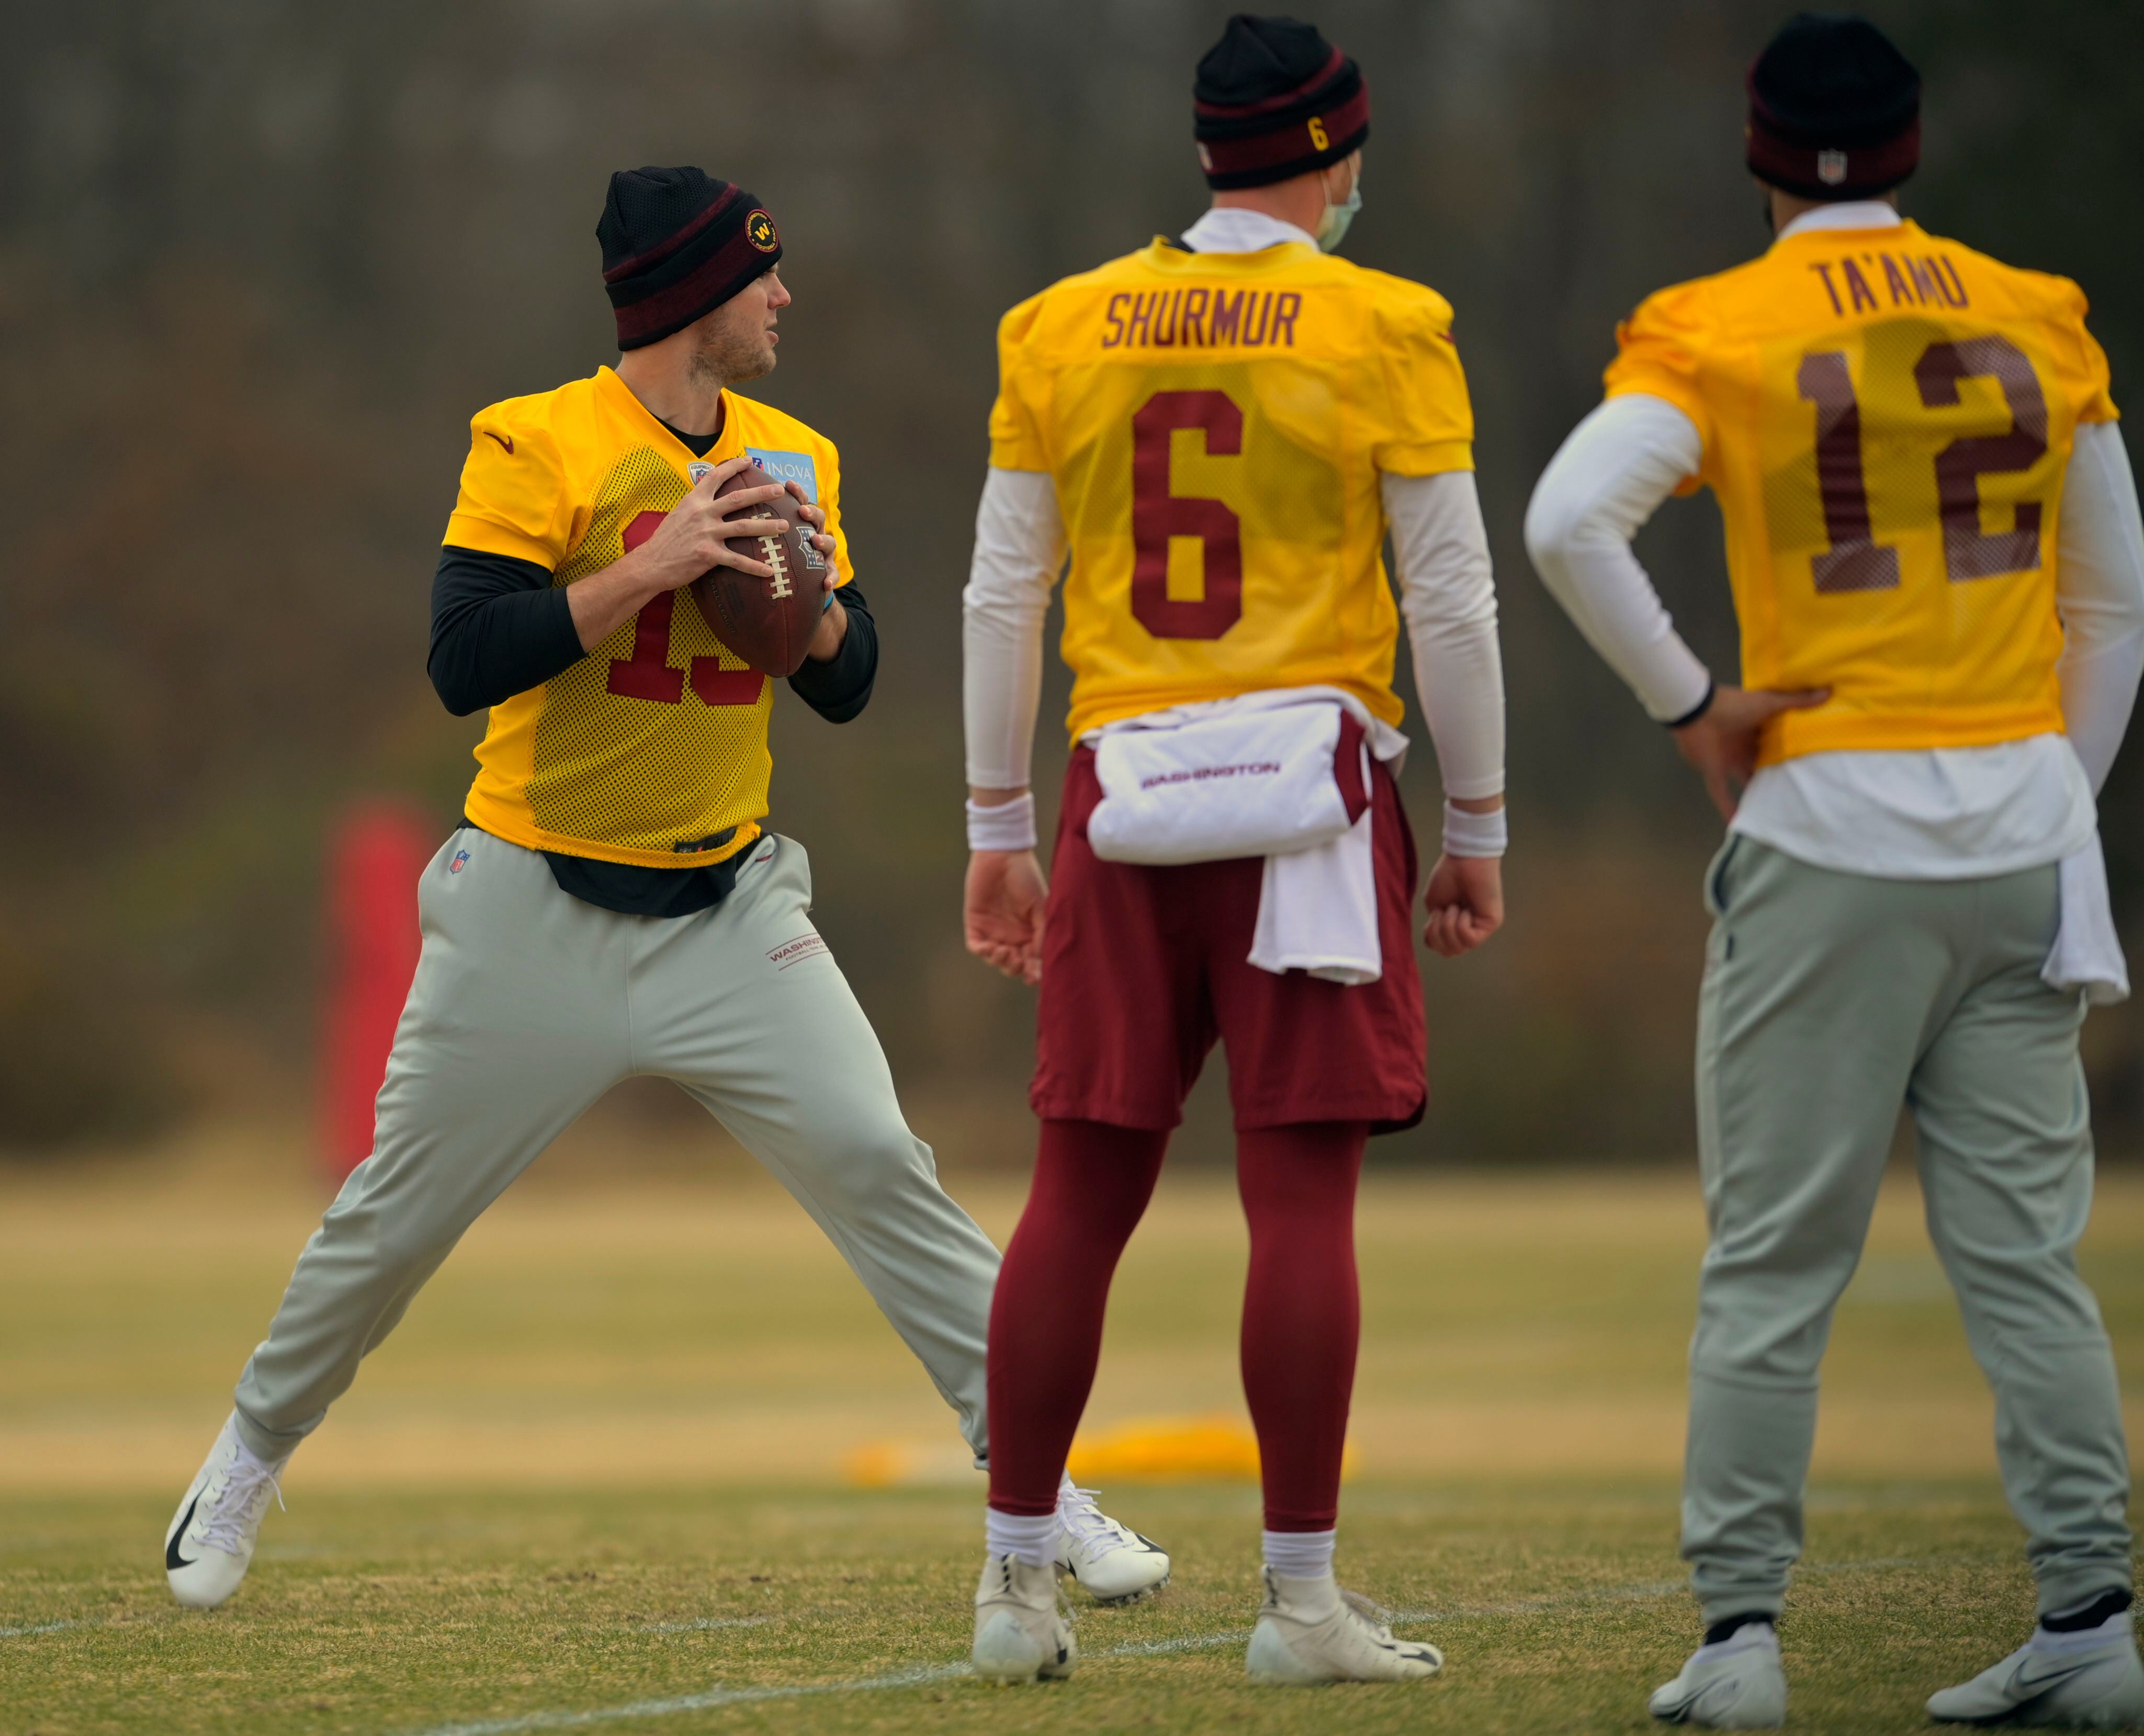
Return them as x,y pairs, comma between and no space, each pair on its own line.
239,1505
1085,1522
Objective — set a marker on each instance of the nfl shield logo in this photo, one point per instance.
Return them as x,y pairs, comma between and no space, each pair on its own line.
1831,167
698,469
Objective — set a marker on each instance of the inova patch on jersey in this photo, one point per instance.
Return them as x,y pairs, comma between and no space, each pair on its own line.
795,467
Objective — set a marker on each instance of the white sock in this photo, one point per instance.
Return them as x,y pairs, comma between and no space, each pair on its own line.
1300,1555
1029,1538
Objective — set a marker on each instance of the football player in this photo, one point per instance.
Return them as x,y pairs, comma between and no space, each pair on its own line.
1933,541
1221,430
612,906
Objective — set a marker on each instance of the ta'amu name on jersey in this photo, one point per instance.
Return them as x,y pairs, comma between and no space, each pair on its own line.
1887,417
1215,425
652,749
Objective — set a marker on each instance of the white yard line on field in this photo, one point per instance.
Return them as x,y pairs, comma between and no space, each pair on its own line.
710,1699
42,1627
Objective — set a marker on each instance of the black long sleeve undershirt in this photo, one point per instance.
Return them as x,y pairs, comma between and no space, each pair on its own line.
500,626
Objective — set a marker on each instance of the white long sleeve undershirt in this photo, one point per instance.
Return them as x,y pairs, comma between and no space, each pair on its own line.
1019,547
1447,598
1939,813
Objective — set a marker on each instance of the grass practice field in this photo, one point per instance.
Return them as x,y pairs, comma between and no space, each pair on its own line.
595,1481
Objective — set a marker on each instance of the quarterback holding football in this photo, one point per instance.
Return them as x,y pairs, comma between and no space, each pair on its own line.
634,558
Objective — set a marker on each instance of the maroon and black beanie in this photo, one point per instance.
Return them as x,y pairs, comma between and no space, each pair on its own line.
1835,110
678,244
1274,100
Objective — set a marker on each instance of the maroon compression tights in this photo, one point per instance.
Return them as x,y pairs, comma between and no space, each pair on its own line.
1301,1313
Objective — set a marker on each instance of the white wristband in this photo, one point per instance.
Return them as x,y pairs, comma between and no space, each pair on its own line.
1003,826
1475,835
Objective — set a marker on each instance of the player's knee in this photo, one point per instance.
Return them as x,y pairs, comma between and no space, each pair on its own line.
380,1245
875,1167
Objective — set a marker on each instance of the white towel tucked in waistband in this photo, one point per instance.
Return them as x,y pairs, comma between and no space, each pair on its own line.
1283,774
2087,952
1318,909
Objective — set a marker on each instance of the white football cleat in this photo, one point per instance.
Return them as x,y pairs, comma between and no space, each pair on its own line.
210,1544
1112,1563
1023,1627
2095,1684
1735,1685
1310,1631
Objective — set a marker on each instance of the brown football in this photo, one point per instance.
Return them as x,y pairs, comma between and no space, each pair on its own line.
768,622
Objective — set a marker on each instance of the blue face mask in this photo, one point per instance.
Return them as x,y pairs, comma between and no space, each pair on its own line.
1332,225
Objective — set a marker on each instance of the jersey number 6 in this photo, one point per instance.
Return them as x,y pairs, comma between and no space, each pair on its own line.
1159,516
1856,561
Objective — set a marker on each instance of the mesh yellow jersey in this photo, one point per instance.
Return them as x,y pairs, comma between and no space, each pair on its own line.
1215,424
654,744
1887,417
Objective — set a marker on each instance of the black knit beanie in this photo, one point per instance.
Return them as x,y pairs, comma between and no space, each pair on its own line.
678,244
1274,100
1835,110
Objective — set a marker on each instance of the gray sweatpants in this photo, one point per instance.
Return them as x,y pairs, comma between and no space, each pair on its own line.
1829,1000
528,1005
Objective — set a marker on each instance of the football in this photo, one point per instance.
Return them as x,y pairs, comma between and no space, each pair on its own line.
768,622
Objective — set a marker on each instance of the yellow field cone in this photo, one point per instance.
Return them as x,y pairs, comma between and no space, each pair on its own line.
908,1464
1216,1448
1212,1449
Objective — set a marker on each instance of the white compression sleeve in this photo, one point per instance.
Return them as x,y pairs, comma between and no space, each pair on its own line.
2099,587
1448,596
1610,476
1020,545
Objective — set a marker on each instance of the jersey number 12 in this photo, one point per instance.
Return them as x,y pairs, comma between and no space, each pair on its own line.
1856,561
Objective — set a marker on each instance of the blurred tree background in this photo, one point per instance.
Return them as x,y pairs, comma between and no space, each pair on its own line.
261,260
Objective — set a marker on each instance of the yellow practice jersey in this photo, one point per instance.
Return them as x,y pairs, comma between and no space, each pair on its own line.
1215,423
1887,418
653,747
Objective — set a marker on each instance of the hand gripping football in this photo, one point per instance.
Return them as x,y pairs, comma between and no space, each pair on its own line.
768,622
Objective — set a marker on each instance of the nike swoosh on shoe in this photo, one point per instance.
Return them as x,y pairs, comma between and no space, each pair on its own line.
172,1559
2034,1684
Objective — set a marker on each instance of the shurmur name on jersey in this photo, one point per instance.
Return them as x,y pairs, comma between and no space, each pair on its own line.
1201,318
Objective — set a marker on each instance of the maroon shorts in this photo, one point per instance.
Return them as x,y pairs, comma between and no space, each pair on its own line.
1143,968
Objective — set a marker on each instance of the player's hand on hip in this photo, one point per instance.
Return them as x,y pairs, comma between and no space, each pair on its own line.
1002,911
1721,742
1466,903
